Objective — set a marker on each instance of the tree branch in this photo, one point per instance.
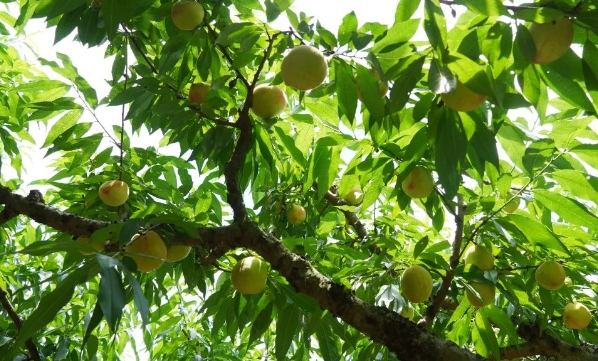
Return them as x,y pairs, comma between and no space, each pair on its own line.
433,309
5,302
539,344
351,217
406,339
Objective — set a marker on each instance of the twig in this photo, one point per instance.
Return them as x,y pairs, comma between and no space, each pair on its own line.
453,263
122,120
351,217
34,354
515,195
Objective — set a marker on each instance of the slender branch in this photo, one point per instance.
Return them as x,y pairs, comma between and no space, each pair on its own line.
491,216
230,60
122,121
93,114
233,166
433,309
5,302
334,199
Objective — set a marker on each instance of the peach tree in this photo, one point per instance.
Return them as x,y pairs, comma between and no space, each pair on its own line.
492,103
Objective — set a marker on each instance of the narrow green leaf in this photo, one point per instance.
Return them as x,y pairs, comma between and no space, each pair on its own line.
450,150
346,89
535,232
44,248
53,302
569,209
140,301
578,183
63,124
347,28
537,155
111,295
329,348
435,26
406,9
261,323
500,319
287,326
420,246
487,335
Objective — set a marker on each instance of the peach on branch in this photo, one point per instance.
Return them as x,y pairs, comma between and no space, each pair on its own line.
550,275
198,91
552,39
486,292
480,257
114,193
147,250
295,214
268,101
419,183
249,275
187,15
304,68
177,252
354,197
576,316
416,284
462,99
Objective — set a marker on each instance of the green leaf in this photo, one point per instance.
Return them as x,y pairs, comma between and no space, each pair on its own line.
44,248
53,302
346,89
567,89
111,295
287,326
568,209
450,150
485,7
138,296
535,232
397,34
537,155
261,323
577,183
347,27
420,246
402,88
500,319
63,124
487,336
370,92
406,9
435,26
329,348
236,32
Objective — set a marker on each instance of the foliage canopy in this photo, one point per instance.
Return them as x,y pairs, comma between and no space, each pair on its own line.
333,284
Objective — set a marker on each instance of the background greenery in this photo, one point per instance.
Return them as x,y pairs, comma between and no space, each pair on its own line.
76,307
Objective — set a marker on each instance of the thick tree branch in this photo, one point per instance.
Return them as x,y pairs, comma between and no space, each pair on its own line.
406,339
544,345
5,302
